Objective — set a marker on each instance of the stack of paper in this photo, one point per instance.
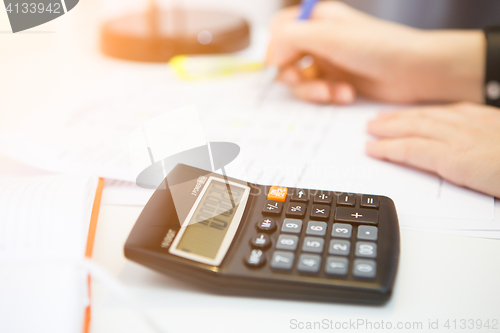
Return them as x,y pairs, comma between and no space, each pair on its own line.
44,223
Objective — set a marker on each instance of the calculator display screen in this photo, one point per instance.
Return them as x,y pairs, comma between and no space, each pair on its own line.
208,227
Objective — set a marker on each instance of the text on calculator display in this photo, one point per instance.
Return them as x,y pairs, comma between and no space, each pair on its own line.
211,224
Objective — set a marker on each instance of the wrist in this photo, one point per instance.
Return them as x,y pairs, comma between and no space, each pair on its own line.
452,66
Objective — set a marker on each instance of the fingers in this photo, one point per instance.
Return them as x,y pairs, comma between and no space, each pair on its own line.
418,152
291,37
304,69
439,124
322,91
290,75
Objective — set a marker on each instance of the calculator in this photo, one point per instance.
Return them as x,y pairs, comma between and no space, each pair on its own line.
234,237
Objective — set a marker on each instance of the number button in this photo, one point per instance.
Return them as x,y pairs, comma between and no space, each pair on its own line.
342,230
366,250
366,232
282,260
313,244
316,228
370,201
296,209
345,199
337,265
292,226
339,247
277,193
309,263
272,207
261,241
323,197
365,268
266,224
287,242
300,195
320,212
255,258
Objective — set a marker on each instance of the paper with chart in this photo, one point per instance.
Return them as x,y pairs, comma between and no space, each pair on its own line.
283,142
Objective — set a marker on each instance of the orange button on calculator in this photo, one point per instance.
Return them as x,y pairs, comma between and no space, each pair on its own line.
277,193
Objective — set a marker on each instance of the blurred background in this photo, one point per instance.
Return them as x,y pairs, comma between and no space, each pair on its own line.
65,53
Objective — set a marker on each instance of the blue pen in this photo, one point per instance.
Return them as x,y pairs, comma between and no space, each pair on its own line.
271,72
306,8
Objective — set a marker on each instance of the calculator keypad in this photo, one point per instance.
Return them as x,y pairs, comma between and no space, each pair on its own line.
320,212
293,226
323,198
339,247
313,244
309,263
366,232
287,242
272,207
282,260
341,230
319,232
316,228
300,195
266,224
261,241
361,215
296,209
365,268
337,265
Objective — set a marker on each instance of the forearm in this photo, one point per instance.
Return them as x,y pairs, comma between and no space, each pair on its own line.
451,67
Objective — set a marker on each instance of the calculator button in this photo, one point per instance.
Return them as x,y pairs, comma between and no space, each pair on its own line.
370,201
361,215
255,258
366,232
296,209
364,268
345,199
342,230
339,247
292,226
272,207
316,228
366,250
287,242
313,244
300,195
261,241
323,197
277,193
267,224
282,260
321,212
337,265
309,263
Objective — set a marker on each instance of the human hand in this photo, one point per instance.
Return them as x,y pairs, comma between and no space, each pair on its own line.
359,54
459,142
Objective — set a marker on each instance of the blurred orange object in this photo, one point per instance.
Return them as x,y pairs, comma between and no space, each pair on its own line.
157,36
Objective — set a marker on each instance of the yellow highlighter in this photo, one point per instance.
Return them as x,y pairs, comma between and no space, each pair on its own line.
212,66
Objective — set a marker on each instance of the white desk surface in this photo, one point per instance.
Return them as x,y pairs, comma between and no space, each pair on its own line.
440,277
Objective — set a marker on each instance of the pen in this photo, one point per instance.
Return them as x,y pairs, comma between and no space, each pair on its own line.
271,72
306,8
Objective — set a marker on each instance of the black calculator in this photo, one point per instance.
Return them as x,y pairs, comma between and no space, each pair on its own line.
238,238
